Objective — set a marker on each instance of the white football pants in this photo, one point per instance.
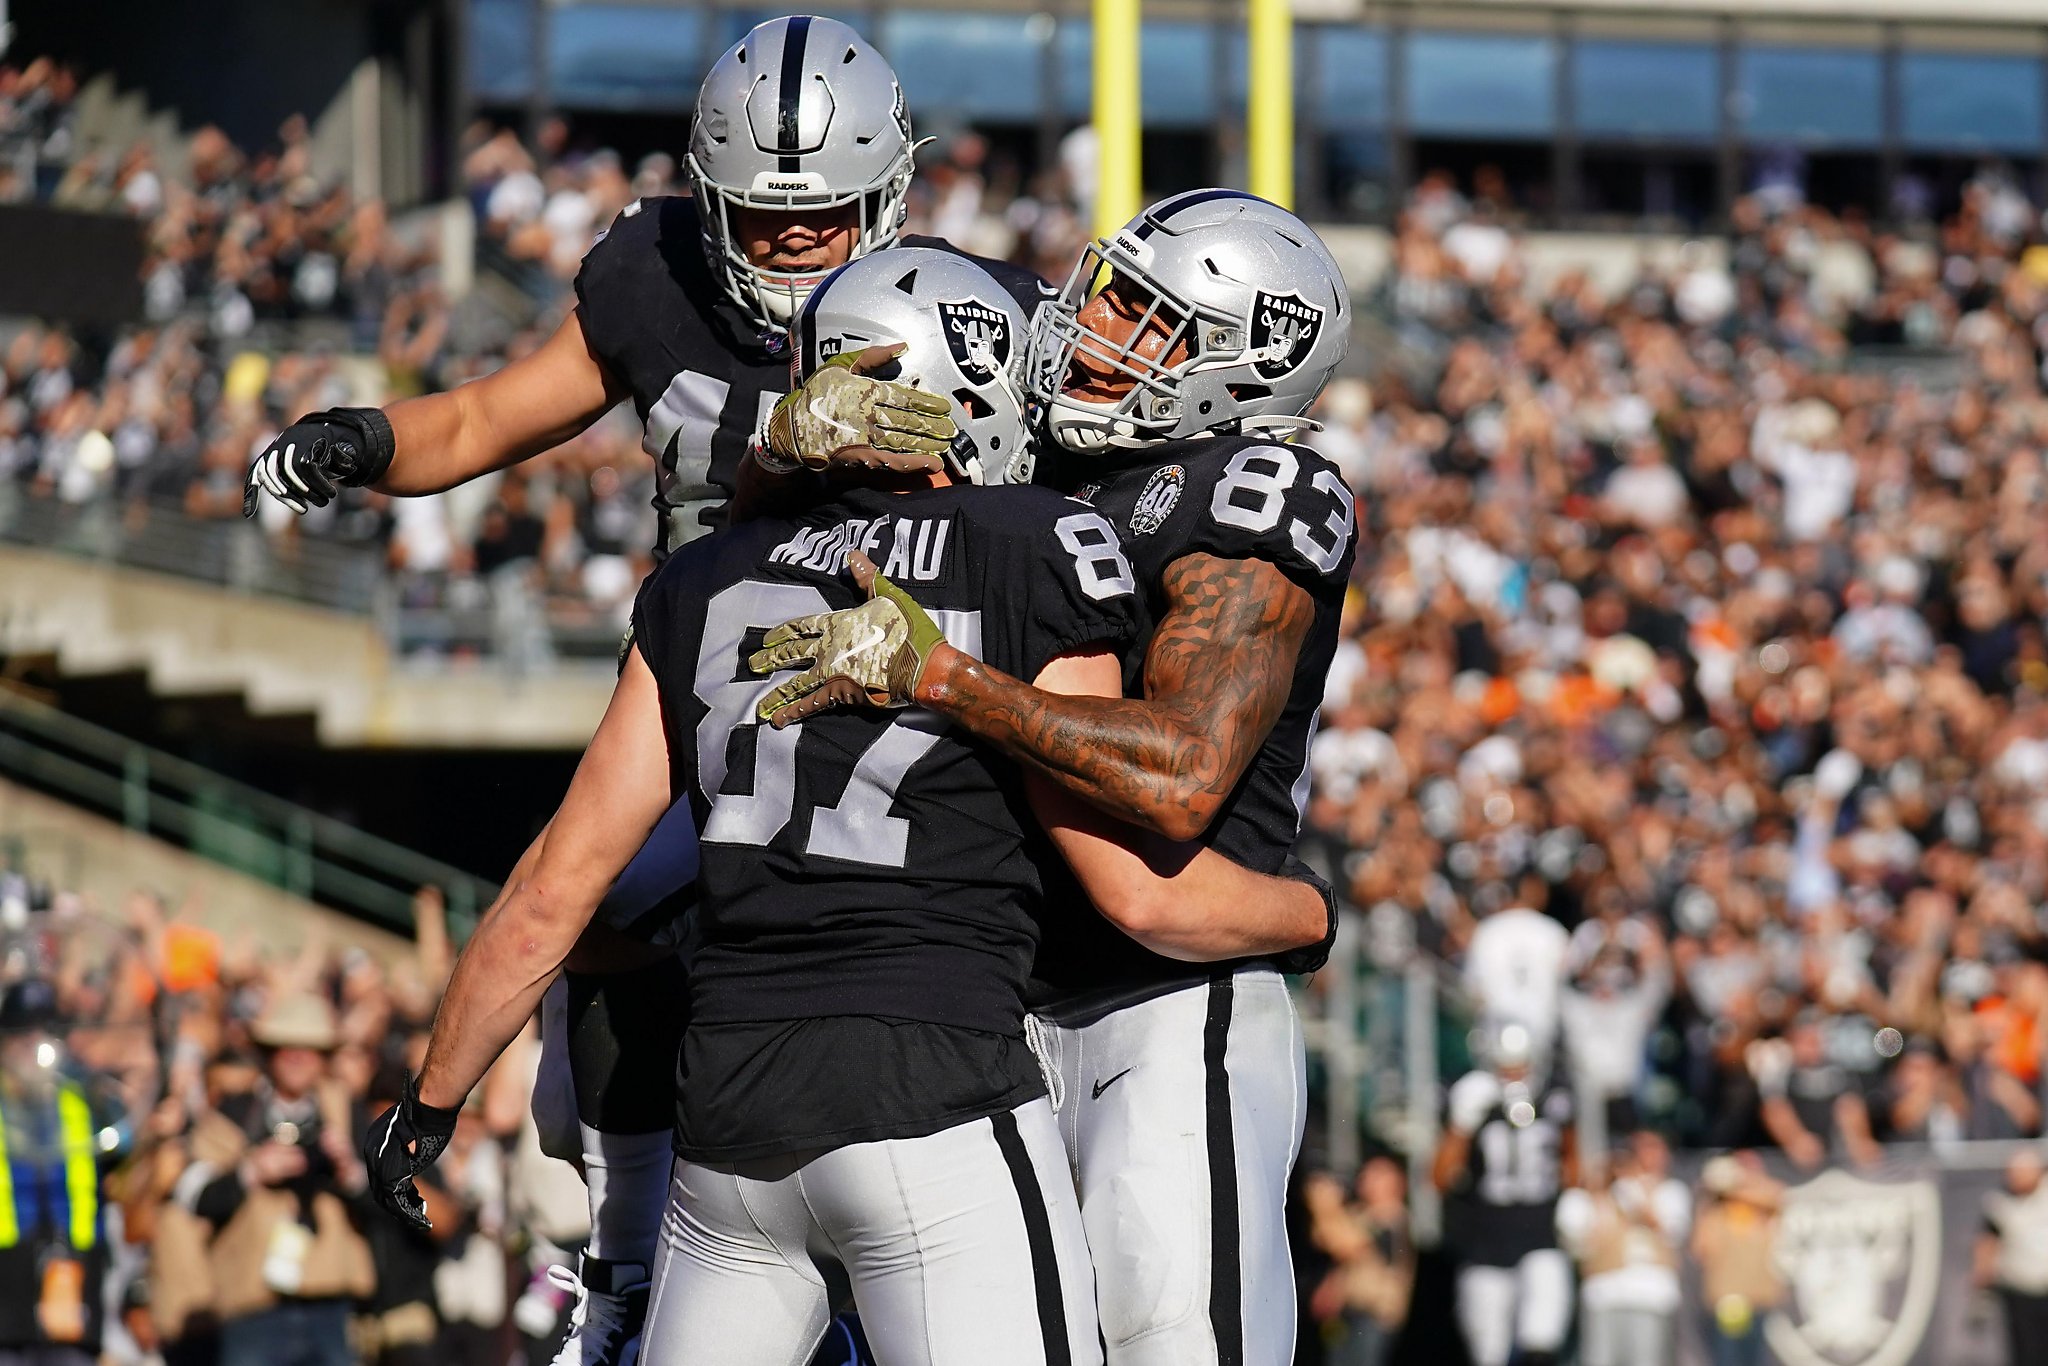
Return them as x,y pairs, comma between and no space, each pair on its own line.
1528,1305
964,1248
1182,1116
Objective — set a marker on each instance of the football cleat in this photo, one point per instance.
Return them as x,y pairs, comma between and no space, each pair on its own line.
611,1309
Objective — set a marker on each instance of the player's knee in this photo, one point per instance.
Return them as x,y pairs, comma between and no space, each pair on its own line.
1143,1234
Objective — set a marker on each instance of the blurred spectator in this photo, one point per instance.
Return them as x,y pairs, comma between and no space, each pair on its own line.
1733,1242
1363,1300
1627,1233
1514,964
286,1254
53,1257
1619,985
2012,1256
1812,1106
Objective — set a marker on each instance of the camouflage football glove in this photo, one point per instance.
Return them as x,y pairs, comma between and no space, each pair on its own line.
843,416
870,655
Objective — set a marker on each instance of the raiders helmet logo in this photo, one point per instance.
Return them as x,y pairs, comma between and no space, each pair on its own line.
1155,504
830,347
1284,330
979,338
1863,1261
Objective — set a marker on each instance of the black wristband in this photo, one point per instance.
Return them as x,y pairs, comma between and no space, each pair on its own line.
1310,957
435,1121
379,445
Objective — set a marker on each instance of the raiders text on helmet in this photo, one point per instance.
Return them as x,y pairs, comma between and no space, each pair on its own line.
963,337
801,114
1251,306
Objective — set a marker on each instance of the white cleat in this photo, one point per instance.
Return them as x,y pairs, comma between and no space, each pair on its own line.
611,1308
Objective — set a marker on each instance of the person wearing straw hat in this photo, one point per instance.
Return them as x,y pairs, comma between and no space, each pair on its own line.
275,1176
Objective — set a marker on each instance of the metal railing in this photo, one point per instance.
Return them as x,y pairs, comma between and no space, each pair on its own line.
228,822
500,616
159,535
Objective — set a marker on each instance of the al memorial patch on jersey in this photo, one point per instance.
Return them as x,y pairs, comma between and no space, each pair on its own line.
1155,503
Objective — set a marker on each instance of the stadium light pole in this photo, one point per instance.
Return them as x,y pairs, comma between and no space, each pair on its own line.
1118,183
1270,97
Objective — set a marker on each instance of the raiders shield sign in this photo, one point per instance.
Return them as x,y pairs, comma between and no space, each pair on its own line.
979,338
1284,329
1863,1264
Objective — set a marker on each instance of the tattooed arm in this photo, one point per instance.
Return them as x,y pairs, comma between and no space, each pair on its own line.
1217,676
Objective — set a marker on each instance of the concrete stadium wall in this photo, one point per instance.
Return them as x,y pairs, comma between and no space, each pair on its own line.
103,862
283,658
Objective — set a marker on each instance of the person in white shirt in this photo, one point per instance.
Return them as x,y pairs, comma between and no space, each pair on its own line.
2012,1255
1625,1235
1514,970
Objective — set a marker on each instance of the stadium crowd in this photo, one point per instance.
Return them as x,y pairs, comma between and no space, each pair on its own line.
271,293
1696,702
228,1083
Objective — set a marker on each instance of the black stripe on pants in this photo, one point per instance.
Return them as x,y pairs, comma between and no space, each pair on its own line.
1045,1266
1226,1273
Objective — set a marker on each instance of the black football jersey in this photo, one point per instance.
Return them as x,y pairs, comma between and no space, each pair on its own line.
702,376
1506,1205
1237,498
869,862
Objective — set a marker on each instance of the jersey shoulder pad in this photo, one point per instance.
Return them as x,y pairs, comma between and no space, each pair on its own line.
652,247
1265,500
1057,567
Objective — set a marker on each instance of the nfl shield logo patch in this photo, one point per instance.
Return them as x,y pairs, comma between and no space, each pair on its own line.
1863,1263
1155,504
1285,328
979,338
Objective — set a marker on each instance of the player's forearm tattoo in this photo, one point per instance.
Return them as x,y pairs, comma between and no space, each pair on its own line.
1217,675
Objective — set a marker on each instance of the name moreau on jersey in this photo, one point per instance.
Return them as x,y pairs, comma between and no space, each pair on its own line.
917,546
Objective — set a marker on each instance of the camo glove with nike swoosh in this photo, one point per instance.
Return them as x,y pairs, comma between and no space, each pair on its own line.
842,415
870,655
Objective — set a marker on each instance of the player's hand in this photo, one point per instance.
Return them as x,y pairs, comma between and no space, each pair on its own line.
317,455
400,1144
843,416
870,655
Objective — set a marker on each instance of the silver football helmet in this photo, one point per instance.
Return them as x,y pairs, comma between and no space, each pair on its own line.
1241,310
801,114
963,337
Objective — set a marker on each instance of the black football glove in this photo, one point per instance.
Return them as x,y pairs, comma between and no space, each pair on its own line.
1309,957
318,454
400,1144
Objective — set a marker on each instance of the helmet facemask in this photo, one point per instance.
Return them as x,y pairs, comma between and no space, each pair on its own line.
771,299
1152,408
1236,316
800,116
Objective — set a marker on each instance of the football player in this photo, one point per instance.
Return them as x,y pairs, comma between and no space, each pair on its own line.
799,159
855,1083
1507,1153
1181,354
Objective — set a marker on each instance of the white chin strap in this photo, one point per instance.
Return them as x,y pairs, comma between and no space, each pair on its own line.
1085,428
781,300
